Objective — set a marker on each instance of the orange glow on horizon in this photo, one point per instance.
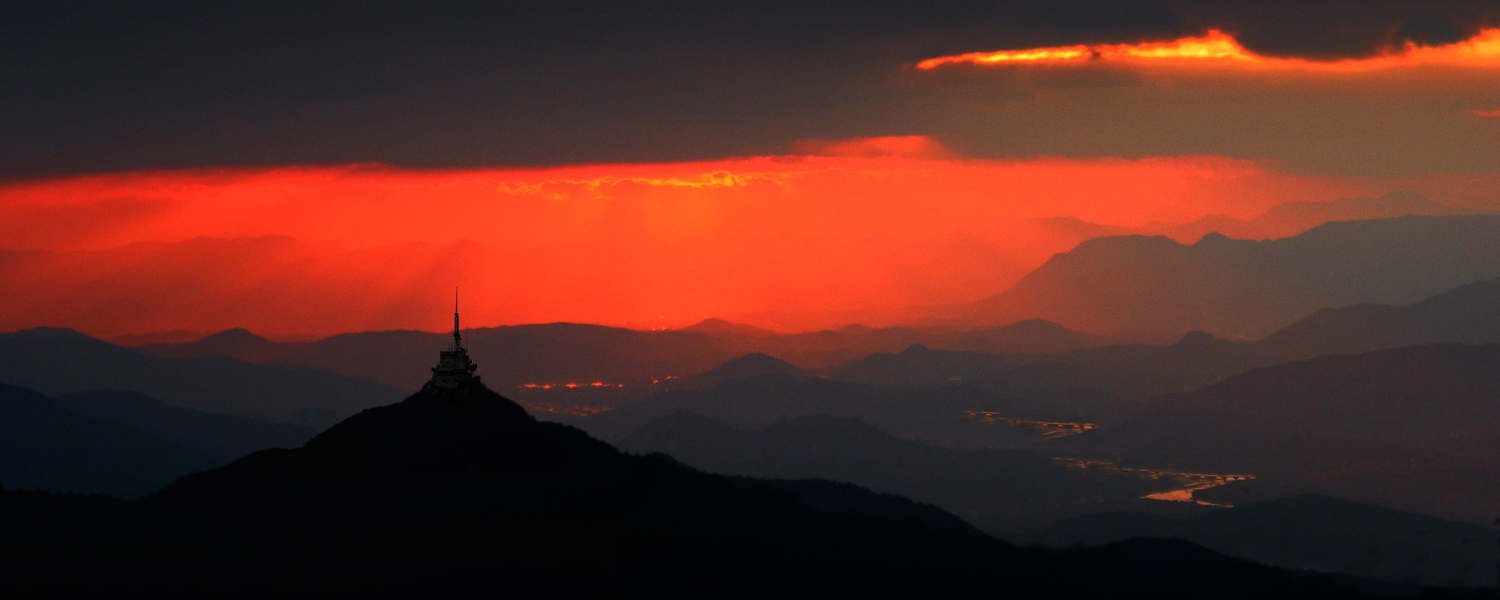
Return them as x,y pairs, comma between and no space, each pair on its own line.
1216,48
307,251
1487,114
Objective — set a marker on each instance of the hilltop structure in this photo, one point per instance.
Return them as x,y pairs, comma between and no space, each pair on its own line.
454,370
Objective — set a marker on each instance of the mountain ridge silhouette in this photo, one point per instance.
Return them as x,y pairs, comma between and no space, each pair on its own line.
61,361
1240,288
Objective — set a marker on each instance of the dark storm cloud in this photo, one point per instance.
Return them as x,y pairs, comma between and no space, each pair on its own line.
107,86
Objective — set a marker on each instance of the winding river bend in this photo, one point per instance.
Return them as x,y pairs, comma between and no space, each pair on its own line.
1186,482
1046,429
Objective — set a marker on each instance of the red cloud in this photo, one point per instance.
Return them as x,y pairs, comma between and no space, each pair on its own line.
1218,49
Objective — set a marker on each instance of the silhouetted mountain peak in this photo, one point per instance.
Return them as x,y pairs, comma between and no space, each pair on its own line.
51,333
750,365
238,343
1120,243
1199,340
759,360
467,408
722,327
915,350
238,335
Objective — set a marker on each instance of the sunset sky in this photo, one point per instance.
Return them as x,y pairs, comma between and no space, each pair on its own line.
307,170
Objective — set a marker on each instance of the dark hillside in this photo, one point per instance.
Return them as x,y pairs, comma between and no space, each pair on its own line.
45,446
224,436
447,491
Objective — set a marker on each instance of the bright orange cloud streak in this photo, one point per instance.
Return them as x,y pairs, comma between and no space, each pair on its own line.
1219,49
363,247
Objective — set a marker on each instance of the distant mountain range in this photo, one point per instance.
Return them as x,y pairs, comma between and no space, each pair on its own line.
1110,381
1315,533
932,416
1246,289
563,352
61,361
554,367
822,349
1292,218
1469,314
1003,492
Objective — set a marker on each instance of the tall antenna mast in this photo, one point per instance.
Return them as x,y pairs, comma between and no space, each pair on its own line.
457,340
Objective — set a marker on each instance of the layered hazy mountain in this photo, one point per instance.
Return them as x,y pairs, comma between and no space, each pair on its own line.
937,417
564,352
1112,381
1292,218
1316,533
1469,314
1000,491
1247,289
1015,493
60,361
45,446
120,443
1408,428
224,437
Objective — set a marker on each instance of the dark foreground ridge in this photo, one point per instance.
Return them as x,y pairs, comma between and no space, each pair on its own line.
462,489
